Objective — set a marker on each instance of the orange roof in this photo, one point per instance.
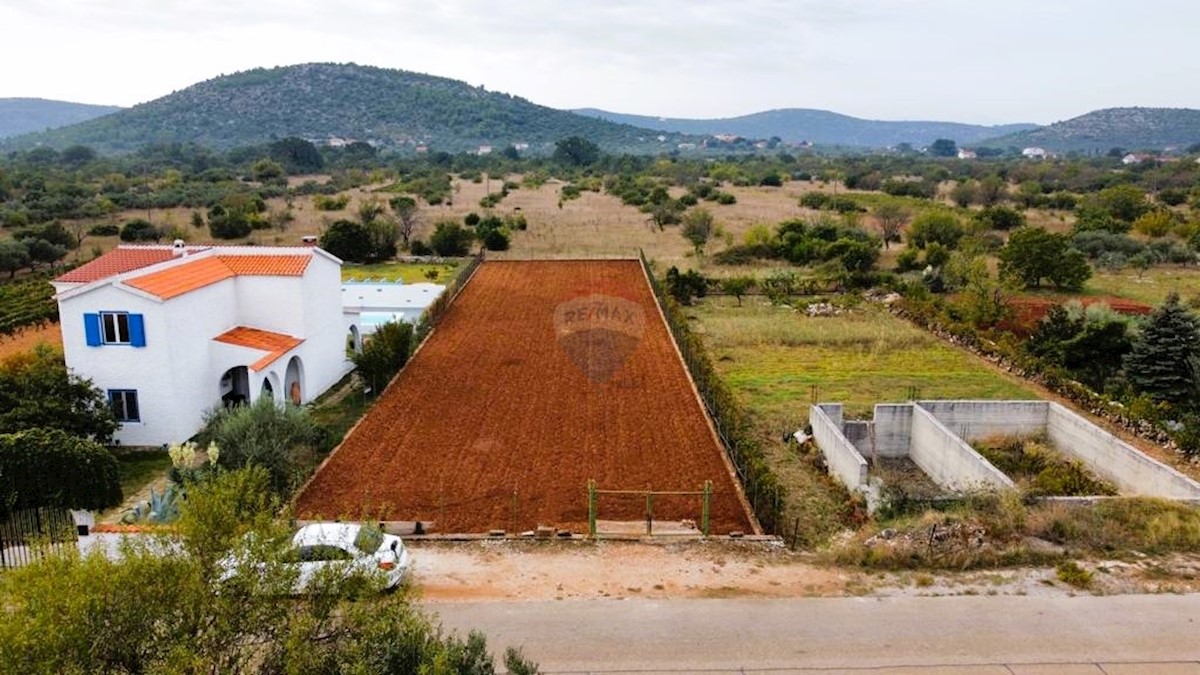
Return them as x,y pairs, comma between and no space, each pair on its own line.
267,265
175,281
275,344
118,260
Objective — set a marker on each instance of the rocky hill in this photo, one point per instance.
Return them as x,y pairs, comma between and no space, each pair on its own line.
320,101
1102,130
25,115
818,126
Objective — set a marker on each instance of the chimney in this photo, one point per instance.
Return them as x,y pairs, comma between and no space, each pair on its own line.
309,240
178,249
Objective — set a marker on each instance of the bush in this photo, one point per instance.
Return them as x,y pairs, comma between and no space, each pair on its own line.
279,437
384,354
1000,218
684,287
450,239
348,240
104,230
418,247
139,230
1096,243
936,226
49,467
331,202
814,200
165,608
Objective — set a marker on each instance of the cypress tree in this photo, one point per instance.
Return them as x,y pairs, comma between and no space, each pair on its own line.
1162,362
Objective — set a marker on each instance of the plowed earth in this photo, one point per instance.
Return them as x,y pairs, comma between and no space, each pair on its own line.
541,376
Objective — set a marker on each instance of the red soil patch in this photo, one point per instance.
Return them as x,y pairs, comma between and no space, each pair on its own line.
29,338
541,376
1029,310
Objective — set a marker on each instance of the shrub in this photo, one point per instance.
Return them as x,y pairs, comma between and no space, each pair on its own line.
936,226
418,247
348,240
471,219
331,202
684,287
50,467
814,200
277,436
384,354
1000,218
139,230
104,230
450,239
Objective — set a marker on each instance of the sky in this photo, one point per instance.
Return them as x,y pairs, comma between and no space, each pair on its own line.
978,61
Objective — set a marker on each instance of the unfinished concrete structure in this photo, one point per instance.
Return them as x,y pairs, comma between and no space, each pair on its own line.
936,436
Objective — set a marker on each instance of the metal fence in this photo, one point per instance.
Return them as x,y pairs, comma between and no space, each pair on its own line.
29,534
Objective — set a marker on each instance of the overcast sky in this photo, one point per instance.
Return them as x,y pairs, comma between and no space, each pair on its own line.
982,61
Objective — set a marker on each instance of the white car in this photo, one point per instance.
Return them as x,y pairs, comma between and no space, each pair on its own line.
342,549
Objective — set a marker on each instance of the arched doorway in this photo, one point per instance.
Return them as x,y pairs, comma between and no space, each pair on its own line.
293,381
234,387
268,389
353,342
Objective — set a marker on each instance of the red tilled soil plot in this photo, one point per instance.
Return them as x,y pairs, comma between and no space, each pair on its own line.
541,376
1028,310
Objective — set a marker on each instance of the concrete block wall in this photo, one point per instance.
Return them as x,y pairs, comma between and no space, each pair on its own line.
975,420
858,432
1109,457
947,459
841,456
893,429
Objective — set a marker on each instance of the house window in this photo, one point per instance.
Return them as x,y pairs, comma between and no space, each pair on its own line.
124,404
116,327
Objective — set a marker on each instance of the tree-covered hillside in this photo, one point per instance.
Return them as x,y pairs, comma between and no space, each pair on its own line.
389,108
27,115
1101,130
817,126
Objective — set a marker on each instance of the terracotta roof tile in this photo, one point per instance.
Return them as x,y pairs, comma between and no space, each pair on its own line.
119,260
267,265
275,344
175,281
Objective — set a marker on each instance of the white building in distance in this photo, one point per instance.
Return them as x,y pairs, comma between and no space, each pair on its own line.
169,332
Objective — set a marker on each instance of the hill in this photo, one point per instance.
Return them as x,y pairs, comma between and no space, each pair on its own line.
319,101
25,115
1102,130
817,126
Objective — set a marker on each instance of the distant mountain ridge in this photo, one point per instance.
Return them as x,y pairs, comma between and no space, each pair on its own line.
390,108
24,115
818,126
1102,130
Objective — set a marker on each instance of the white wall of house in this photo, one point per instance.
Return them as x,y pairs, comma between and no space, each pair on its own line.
177,373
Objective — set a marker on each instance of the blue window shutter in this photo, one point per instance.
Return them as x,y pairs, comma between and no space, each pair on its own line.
137,331
91,328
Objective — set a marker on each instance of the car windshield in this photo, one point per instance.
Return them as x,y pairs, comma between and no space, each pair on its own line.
368,539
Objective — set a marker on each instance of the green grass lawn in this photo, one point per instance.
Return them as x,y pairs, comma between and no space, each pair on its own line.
409,273
774,357
1153,286
140,468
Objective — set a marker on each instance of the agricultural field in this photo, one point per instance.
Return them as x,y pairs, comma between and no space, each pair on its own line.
541,376
1150,288
777,358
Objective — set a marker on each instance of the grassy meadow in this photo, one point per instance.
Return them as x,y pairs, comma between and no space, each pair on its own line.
776,358
409,273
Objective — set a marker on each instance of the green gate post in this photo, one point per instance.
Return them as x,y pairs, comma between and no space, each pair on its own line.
592,508
649,513
704,512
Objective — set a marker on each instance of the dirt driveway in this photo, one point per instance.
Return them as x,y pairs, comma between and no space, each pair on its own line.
526,570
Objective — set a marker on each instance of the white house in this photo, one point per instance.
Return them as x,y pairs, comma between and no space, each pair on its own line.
374,303
169,332
1034,153
963,153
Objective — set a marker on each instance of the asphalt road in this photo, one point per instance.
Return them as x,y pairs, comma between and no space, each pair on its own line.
974,635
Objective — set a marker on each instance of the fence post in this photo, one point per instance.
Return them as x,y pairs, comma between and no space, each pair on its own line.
649,513
704,511
592,508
